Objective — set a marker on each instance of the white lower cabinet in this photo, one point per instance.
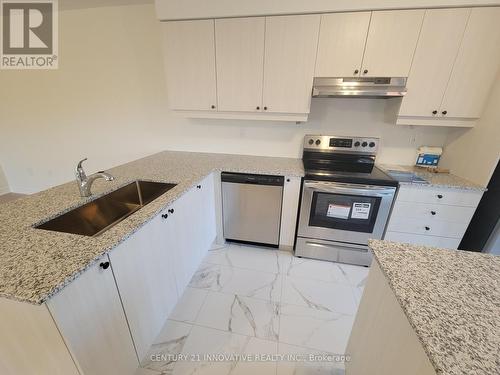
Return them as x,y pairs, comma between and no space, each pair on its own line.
289,211
431,216
89,315
146,282
106,319
193,230
153,266
205,212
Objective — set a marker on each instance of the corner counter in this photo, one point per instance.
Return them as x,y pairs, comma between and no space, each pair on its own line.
427,311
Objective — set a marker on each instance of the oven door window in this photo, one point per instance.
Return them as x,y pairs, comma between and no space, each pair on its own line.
354,213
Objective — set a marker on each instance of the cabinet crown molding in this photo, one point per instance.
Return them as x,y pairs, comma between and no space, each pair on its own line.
172,10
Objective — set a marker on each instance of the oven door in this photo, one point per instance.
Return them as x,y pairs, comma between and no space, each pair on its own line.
343,212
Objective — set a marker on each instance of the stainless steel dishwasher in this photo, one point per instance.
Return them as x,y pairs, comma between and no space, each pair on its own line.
251,207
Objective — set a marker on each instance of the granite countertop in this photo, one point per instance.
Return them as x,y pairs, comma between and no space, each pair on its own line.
35,263
452,300
447,180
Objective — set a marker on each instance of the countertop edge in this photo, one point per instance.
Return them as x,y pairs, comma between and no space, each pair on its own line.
410,320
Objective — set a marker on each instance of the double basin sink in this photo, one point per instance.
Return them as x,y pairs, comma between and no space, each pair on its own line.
97,216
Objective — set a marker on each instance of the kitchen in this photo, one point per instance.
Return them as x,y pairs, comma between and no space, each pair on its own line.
109,100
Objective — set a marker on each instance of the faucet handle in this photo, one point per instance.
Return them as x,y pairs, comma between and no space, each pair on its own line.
80,173
79,166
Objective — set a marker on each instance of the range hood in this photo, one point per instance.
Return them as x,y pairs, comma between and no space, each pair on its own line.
362,87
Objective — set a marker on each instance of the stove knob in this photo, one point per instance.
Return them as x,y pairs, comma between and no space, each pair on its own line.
372,144
356,144
364,144
318,142
311,141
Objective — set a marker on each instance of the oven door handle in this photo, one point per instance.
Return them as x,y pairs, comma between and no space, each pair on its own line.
350,188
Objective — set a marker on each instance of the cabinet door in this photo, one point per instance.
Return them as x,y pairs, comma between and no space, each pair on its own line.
437,48
342,38
290,55
145,280
184,237
240,59
189,49
90,317
207,218
289,211
391,42
476,66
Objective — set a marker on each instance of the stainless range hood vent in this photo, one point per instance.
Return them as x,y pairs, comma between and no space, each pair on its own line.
365,87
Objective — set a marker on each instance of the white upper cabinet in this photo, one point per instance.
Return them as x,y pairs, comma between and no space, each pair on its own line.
391,43
437,49
368,44
476,65
263,67
290,55
189,49
456,62
240,59
341,45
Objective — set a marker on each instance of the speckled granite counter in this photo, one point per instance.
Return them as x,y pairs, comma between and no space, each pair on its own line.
434,179
35,264
452,300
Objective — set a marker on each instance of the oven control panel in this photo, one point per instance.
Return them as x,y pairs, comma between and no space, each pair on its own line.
362,145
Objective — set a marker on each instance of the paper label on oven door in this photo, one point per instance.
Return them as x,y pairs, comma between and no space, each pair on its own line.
361,210
339,211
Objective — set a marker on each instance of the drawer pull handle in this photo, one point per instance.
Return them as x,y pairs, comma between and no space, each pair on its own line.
164,216
427,228
104,265
433,213
171,210
440,196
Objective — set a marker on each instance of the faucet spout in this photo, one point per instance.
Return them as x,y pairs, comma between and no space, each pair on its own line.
85,183
105,175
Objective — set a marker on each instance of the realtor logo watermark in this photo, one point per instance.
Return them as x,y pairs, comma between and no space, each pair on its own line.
29,34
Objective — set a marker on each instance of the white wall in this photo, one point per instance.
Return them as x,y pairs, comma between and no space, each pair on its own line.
474,153
108,101
4,186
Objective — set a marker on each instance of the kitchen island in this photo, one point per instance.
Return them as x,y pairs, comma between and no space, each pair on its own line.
74,304
427,311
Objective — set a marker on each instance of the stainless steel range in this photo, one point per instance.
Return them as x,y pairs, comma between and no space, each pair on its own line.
346,199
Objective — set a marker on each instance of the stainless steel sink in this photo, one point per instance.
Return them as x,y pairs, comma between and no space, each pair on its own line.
97,216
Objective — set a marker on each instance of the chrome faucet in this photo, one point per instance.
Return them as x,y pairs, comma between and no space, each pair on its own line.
85,183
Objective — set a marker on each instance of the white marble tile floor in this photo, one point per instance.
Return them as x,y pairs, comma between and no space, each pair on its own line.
252,310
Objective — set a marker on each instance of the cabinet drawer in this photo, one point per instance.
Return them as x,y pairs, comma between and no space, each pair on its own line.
432,212
454,197
416,239
428,227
